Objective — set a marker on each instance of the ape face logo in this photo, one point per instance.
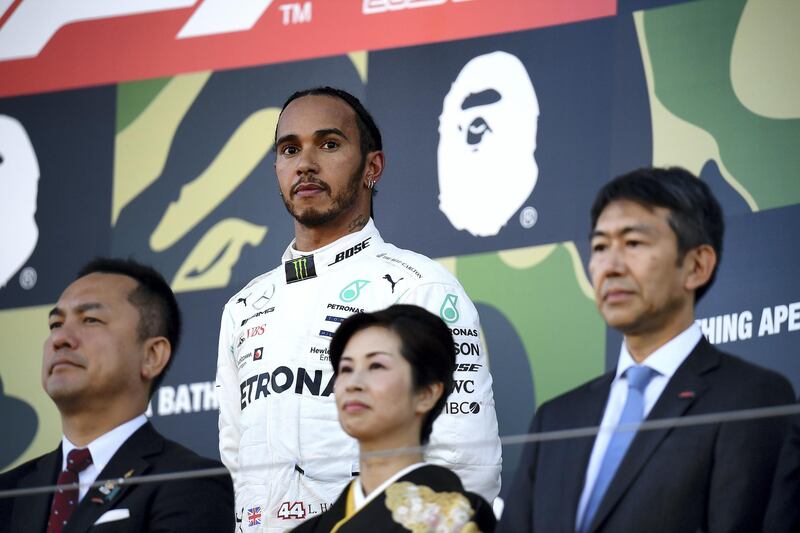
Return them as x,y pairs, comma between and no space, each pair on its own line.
19,184
487,136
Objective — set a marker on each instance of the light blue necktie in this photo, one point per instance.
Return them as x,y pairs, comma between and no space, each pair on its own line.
632,413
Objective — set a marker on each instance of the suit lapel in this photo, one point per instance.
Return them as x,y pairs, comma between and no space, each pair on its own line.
685,387
590,413
32,512
130,460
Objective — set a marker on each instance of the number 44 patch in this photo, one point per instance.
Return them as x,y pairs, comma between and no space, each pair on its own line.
292,511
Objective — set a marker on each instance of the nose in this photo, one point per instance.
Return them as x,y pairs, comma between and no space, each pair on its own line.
354,381
307,163
608,263
63,337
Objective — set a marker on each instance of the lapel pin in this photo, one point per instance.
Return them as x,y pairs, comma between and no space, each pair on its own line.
686,394
112,487
108,488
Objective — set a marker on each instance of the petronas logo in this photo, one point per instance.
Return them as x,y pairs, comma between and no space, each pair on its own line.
353,290
300,269
449,311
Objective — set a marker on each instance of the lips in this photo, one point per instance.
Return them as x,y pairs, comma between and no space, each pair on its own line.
616,295
308,188
354,406
64,362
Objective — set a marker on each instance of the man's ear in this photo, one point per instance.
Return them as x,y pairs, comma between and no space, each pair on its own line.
427,396
699,264
157,352
373,166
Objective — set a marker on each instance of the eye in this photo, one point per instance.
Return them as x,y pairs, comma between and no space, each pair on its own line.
55,324
598,247
376,365
289,150
330,145
476,130
91,320
633,243
345,369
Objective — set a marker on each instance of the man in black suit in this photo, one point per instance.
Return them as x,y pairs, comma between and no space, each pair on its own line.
783,512
112,336
656,242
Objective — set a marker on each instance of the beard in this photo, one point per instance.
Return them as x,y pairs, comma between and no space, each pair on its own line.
341,202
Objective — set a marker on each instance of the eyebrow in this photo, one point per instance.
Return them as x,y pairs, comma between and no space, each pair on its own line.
57,311
638,228
370,354
319,133
485,97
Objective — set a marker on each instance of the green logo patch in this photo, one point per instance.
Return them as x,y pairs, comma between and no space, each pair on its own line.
353,290
449,311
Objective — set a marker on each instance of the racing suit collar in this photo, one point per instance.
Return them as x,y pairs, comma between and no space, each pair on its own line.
337,251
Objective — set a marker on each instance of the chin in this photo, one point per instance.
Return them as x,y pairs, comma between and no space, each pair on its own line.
62,394
622,322
313,218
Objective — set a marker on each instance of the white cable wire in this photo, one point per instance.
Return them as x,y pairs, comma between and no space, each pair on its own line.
563,434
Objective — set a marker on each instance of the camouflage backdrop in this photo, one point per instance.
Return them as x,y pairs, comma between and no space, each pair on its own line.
145,129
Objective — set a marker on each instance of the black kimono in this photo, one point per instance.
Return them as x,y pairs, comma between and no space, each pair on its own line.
417,501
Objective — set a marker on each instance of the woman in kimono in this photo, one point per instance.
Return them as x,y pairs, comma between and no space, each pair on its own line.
394,371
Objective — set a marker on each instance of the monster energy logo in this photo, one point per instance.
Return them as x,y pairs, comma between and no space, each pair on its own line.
300,269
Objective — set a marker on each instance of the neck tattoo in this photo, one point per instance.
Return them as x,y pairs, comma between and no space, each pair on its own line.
359,222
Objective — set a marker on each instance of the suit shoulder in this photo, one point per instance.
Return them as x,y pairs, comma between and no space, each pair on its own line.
9,479
575,401
755,378
581,391
179,455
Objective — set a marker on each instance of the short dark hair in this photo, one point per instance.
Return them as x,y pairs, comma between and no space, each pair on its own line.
159,314
369,135
694,213
425,342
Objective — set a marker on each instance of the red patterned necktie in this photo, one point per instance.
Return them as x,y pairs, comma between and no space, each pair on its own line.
65,500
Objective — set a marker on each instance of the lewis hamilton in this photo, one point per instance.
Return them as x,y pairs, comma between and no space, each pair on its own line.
279,431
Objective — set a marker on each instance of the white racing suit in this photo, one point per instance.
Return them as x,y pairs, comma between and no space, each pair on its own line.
278,424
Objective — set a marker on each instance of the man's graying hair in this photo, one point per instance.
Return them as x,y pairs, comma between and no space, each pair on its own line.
694,213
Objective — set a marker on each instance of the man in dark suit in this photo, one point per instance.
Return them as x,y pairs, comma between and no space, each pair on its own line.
783,512
656,242
112,336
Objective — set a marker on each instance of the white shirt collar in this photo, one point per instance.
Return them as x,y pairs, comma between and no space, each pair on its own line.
105,446
326,256
666,359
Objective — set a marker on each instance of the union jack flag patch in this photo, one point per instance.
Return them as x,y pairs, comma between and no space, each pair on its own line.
254,516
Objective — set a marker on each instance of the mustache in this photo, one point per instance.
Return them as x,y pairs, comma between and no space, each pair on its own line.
615,286
67,356
309,180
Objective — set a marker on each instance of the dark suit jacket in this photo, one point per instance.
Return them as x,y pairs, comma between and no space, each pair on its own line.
712,477
783,512
203,504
